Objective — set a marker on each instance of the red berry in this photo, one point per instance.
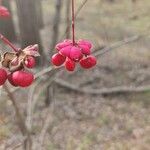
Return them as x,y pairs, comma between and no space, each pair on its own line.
88,62
3,76
58,59
11,80
61,45
85,42
75,53
70,65
22,78
85,49
30,62
4,12
66,51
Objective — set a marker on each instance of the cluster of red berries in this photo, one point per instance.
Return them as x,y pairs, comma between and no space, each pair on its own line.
4,13
21,77
70,53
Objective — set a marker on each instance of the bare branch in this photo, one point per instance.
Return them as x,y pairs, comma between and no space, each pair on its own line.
114,90
117,45
20,119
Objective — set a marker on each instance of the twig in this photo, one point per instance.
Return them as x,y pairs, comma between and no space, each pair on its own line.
30,105
117,45
6,41
21,122
114,90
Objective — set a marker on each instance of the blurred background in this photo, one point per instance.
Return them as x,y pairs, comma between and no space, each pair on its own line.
105,108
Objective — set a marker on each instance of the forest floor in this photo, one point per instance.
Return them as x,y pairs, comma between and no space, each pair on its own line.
96,122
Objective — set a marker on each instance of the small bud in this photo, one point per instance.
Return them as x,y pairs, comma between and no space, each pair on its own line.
30,62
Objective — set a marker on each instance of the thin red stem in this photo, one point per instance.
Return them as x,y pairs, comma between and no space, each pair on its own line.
6,41
73,23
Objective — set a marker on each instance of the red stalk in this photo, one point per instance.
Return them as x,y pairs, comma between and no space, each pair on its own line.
6,41
73,23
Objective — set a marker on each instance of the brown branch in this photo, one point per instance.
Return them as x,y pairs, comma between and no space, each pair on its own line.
114,90
117,45
20,119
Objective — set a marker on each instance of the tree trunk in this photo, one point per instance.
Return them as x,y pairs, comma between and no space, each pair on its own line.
6,25
68,6
39,12
29,30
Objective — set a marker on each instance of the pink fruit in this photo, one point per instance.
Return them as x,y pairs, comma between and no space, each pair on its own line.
3,76
22,78
58,59
61,45
11,80
4,12
30,62
85,49
65,51
75,53
85,42
70,65
88,62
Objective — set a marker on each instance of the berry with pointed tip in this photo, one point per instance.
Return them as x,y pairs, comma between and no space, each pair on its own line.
88,62
58,59
66,51
61,45
75,53
11,80
22,78
70,65
85,49
85,42
30,62
3,76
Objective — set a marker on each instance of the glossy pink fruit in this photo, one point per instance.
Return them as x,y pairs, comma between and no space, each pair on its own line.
88,62
58,59
30,62
61,45
11,80
85,42
3,76
4,12
75,53
66,51
22,78
70,65
85,49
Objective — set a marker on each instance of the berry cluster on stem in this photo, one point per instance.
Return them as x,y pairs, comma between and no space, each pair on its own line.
71,51
14,65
